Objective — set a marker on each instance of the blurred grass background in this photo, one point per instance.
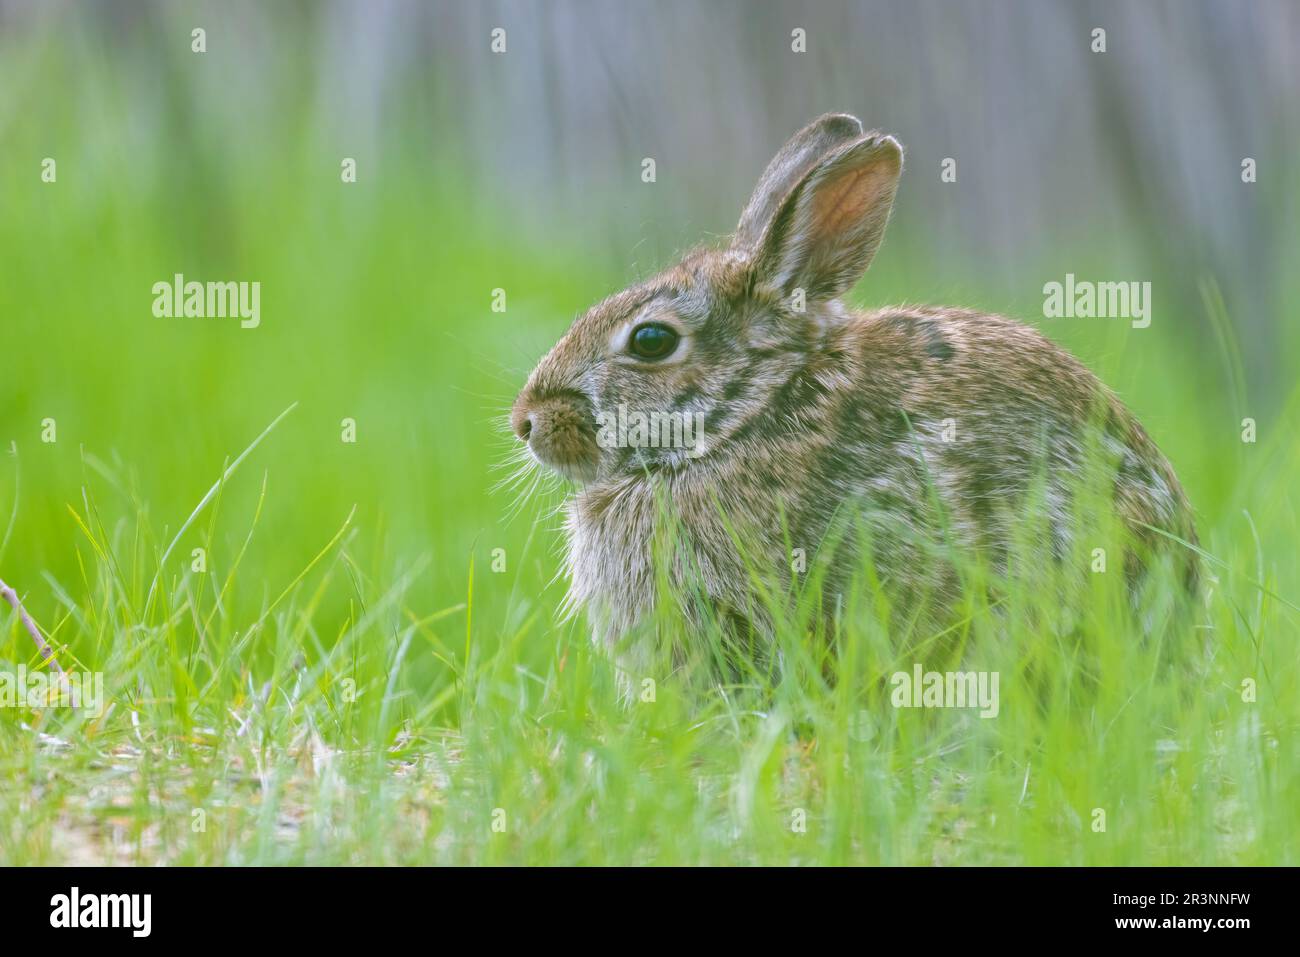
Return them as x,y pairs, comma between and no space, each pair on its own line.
522,171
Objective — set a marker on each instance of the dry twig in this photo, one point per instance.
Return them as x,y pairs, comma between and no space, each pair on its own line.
43,646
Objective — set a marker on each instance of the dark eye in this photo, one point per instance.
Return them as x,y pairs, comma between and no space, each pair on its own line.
653,341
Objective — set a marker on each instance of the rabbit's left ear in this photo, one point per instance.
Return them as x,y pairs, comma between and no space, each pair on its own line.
829,226
805,149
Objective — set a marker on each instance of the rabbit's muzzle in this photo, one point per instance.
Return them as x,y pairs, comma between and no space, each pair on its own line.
560,431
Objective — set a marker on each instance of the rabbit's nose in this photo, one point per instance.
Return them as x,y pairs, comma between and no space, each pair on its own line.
523,424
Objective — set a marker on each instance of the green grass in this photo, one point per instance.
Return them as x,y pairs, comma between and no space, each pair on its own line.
351,681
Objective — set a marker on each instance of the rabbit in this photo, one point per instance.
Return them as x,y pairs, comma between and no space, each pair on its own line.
808,411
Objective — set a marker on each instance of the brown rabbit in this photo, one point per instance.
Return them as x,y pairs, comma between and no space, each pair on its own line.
905,420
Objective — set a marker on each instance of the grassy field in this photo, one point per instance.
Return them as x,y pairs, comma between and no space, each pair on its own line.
365,664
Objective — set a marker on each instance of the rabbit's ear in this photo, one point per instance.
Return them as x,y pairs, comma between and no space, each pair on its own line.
826,231
790,165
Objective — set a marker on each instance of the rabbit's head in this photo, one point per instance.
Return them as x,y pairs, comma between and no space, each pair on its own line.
691,362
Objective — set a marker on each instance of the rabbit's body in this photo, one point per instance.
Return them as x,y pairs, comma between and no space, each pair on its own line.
923,422
914,425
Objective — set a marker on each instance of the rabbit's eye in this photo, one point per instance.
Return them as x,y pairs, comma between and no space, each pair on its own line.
653,341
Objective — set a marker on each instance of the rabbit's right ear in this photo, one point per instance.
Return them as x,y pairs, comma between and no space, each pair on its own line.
826,231
789,166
